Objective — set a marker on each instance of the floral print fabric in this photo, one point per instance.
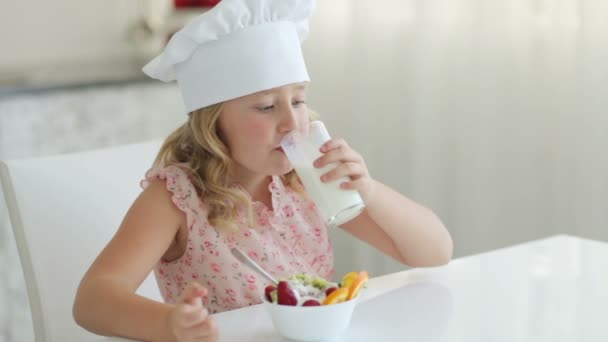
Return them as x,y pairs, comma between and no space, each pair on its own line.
291,237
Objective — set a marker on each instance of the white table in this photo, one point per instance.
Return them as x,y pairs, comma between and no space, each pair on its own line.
552,290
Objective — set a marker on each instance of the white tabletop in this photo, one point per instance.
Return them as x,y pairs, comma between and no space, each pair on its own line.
552,290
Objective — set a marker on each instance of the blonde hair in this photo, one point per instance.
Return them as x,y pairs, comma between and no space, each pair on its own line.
197,148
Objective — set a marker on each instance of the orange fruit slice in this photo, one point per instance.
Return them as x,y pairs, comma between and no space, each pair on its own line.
337,296
356,285
348,279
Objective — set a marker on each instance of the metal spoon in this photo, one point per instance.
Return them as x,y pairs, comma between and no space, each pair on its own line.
244,258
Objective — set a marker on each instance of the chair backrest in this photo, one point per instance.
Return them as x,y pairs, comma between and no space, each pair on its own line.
63,210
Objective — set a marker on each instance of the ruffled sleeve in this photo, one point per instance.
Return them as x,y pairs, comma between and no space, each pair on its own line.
184,194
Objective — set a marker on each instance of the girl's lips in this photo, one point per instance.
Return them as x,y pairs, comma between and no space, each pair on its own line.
280,149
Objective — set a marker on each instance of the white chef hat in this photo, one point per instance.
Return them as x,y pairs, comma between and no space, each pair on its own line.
237,48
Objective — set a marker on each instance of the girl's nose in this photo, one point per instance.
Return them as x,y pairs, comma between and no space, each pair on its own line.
289,121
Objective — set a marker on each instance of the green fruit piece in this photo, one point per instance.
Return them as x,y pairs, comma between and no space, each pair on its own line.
320,283
274,296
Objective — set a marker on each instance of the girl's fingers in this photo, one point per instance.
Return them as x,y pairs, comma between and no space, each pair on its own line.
206,328
190,318
190,305
205,331
332,144
190,294
341,154
353,185
193,315
350,169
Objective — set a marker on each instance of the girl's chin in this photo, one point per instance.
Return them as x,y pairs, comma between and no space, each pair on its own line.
276,164
282,170
283,167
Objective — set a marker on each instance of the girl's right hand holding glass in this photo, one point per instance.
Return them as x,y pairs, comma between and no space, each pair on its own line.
189,321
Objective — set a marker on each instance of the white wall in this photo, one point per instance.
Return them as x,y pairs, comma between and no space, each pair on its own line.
494,113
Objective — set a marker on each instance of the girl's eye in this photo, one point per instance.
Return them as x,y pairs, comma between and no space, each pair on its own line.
297,103
265,108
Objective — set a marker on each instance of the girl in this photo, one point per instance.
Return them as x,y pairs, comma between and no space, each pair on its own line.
222,181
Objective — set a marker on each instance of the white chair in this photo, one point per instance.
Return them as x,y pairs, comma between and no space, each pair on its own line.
63,210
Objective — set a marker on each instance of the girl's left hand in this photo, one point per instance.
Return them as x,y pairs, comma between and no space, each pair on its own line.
350,164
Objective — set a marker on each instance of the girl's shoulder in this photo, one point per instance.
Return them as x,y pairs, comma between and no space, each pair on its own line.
175,174
178,182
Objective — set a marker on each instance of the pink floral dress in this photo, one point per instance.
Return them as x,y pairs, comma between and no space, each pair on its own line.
291,237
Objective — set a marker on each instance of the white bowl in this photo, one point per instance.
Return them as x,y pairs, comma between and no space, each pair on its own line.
311,323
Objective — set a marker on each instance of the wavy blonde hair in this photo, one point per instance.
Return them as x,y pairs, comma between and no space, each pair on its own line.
197,148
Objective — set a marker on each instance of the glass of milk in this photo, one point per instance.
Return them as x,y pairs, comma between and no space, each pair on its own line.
337,205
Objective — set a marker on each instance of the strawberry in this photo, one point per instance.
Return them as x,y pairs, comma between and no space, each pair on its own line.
286,295
269,290
330,290
311,302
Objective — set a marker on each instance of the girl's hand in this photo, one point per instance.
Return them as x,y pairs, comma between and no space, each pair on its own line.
350,164
189,320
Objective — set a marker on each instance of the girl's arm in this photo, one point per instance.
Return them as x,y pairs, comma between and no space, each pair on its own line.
394,224
402,229
106,303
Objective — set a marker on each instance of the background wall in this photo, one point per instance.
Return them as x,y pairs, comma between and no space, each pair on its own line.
492,113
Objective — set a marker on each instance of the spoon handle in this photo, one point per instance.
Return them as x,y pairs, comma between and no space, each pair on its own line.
242,257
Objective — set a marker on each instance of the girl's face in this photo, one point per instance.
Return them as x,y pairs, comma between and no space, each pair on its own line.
253,126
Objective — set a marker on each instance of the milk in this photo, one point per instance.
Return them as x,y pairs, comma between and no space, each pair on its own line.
336,205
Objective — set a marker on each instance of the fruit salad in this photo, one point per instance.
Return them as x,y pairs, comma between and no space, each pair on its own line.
305,290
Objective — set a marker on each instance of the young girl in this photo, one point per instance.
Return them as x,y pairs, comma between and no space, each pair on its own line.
222,181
